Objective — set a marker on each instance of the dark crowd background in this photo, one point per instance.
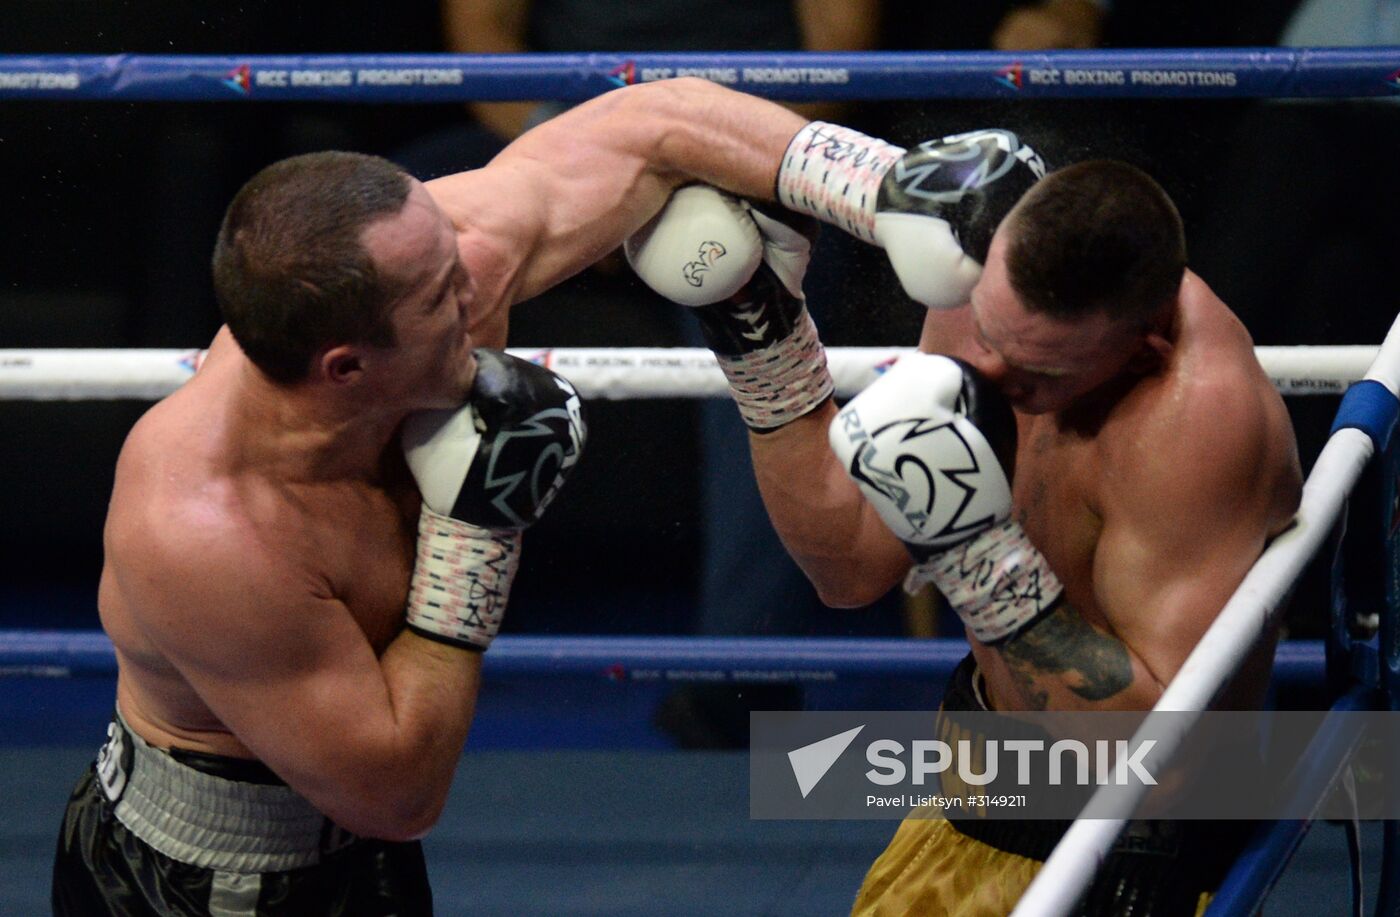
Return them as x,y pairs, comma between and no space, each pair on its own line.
108,214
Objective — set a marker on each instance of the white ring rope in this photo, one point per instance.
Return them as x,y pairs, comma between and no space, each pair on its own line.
1218,655
606,373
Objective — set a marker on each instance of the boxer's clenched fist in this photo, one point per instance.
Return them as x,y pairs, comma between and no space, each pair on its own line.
933,208
759,329
931,444
486,471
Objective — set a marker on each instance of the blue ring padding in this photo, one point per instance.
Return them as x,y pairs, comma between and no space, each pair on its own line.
1370,407
644,659
796,76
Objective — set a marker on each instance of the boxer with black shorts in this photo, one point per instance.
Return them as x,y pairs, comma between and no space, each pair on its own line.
298,582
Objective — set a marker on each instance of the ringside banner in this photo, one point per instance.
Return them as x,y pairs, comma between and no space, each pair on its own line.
804,75
1233,765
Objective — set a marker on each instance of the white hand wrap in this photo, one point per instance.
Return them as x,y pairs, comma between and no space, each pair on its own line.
997,582
461,580
782,382
833,173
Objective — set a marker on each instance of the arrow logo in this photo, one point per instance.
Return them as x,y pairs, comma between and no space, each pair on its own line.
811,762
623,75
239,79
1010,77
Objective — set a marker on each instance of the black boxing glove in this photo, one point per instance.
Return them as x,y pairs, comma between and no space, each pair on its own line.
933,208
486,471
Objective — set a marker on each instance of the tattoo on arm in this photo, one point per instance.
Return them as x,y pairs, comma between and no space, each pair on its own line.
1062,645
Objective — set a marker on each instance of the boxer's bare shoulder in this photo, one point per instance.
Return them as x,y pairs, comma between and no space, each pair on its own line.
1210,421
1194,471
169,523
206,554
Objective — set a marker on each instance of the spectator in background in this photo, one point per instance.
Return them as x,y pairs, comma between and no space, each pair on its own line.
1343,23
1301,254
509,27
1052,24
562,26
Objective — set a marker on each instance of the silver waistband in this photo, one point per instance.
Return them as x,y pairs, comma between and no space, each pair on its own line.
209,821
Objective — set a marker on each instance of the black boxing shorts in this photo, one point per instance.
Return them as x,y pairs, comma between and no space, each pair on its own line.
1156,868
151,832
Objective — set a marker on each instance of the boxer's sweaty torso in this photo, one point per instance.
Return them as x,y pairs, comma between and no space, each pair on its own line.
349,539
1069,470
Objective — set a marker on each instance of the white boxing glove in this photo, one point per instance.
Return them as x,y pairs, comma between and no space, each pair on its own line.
701,248
760,331
928,443
931,445
931,266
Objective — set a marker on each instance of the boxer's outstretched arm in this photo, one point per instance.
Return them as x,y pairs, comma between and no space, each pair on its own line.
571,190
832,531
280,660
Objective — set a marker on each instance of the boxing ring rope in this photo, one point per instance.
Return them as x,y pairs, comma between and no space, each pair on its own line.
796,76
1176,74
607,373
739,660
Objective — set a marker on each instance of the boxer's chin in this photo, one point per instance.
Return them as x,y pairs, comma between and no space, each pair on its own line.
455,382
466,376
1032,408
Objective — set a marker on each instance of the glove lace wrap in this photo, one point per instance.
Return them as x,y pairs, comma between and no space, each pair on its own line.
997,582
833,173
781,382
461,580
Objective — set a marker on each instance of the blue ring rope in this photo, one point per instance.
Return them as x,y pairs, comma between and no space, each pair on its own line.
794,76
63,654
